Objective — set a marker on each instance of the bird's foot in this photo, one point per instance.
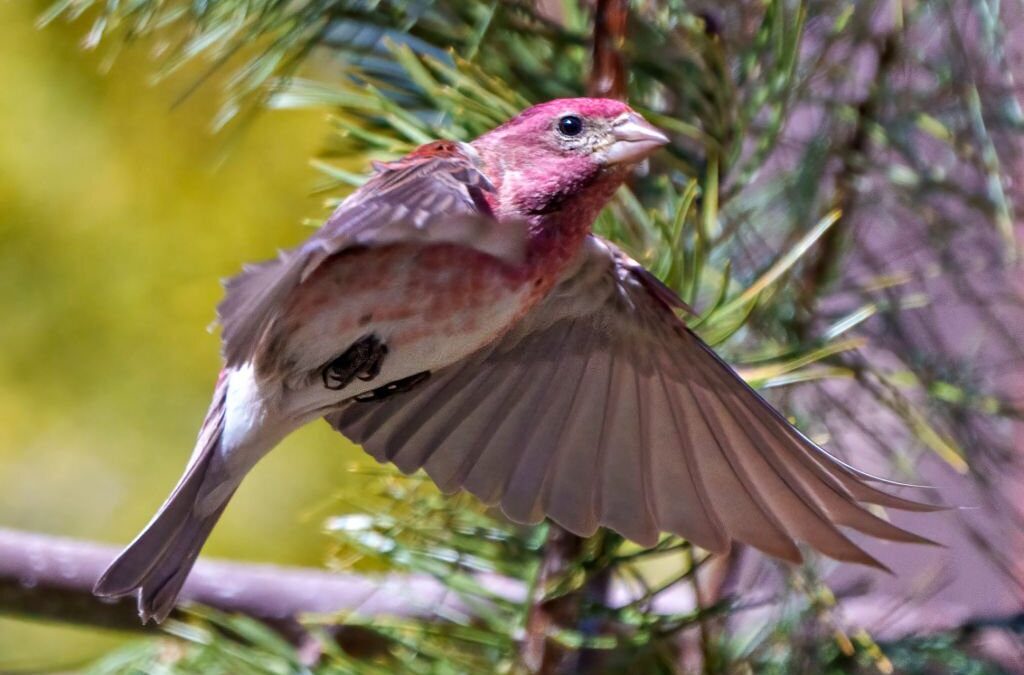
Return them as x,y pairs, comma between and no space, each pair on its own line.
362,361
391,388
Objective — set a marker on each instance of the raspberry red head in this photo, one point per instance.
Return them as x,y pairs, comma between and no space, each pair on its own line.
593,108
565,151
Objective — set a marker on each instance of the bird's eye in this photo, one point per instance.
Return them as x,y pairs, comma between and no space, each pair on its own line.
570,125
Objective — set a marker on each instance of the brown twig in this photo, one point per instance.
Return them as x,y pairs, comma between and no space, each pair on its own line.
608,70
540,653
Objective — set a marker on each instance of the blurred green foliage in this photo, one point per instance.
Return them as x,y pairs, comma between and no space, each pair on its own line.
119,213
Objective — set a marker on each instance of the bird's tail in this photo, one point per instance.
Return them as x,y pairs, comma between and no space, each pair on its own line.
157,563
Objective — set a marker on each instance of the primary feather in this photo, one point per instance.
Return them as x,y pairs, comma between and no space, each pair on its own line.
631,423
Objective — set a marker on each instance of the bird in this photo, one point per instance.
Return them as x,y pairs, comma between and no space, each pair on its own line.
457,314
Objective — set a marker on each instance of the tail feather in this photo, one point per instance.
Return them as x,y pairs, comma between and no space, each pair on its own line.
158,561
159,591
156,567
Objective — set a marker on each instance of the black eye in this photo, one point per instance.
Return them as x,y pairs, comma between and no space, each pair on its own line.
570,125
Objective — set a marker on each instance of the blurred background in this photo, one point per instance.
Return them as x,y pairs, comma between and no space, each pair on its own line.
119,214
893,334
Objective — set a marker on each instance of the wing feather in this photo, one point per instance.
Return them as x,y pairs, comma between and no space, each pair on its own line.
458,417
568,490
476,472
795,509
489,477
684,505
735,502
601,408
621,493
820,461
433,196
414,428
543,425
835,502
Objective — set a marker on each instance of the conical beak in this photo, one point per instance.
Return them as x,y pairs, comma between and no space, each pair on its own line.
635,139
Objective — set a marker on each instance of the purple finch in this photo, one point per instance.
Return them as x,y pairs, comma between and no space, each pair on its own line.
456,314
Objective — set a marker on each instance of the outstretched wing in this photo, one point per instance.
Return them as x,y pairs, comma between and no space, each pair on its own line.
435,195
602,408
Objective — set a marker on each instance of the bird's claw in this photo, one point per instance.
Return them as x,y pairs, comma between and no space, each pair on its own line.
363,361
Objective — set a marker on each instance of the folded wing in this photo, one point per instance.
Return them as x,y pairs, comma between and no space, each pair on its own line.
602,408
435,195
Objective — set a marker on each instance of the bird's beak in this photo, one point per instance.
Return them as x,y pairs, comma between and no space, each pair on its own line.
634,139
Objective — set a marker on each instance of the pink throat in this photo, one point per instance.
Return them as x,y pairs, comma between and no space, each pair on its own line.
556,237
558,195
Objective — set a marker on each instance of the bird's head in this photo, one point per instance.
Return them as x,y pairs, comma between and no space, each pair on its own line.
565,154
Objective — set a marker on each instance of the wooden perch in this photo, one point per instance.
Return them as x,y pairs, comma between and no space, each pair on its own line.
48,577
